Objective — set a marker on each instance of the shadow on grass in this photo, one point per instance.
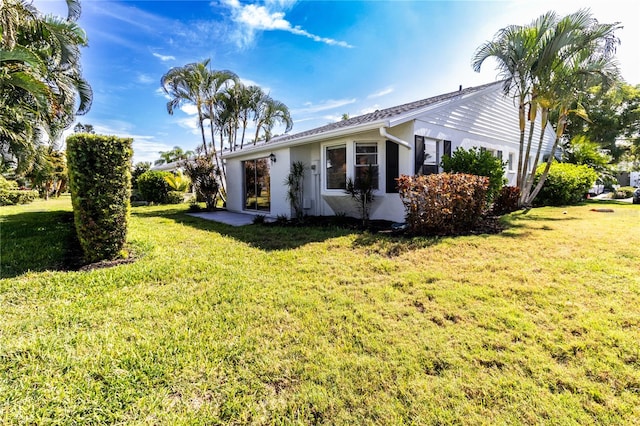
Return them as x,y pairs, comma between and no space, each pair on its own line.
264,237
38,241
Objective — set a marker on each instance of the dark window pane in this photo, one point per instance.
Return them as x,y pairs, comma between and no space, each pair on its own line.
336,166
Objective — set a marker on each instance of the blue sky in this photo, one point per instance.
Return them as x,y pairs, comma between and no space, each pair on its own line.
321,58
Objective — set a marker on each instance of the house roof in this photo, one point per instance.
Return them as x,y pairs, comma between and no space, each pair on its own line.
383,114
378,116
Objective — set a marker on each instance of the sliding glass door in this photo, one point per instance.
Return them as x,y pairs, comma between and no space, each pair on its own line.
257,183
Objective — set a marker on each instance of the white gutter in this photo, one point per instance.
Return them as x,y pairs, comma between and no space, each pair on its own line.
384,134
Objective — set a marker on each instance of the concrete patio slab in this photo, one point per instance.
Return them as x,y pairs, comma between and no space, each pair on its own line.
228,218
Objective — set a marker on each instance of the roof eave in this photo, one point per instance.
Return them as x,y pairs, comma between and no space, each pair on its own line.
365,127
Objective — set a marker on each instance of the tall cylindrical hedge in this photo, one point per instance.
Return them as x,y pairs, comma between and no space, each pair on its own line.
100,182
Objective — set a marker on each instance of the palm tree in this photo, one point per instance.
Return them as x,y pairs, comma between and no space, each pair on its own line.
270,113
40,76
184,86
546,65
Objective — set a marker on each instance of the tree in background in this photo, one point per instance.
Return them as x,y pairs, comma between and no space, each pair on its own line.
173,155
84,128
48,173
614,119
547,65
227,104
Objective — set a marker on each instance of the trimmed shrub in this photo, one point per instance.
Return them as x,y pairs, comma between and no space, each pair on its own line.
623,192
10,197
480,163
506,201
175,197
443,204
10,194
99,179
153,187
566,184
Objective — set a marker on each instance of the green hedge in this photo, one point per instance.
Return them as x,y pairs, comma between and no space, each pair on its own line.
99,179
477,162
566,184
10,197
153,186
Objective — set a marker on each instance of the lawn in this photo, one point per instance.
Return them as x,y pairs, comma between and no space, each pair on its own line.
267,325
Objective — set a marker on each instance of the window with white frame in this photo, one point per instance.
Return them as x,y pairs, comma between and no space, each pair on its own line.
366,164
510,162
336,166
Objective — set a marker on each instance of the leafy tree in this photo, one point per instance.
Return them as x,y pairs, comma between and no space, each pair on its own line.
614,114
138,169
153,187
84,128
220,97
581,150
173,155
49,172
270,113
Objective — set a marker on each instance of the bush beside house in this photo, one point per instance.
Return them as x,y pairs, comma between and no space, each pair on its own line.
443,204
153,186
566,184
99,179
477,162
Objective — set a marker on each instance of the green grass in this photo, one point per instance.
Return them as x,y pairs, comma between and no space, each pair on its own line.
268,325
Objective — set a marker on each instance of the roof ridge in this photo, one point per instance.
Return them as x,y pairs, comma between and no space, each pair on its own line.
382,113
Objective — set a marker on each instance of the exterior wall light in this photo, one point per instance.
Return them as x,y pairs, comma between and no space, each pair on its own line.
272,157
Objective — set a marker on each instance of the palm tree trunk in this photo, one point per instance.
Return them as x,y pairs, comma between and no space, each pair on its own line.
201,123
521,118
562,122
525,167
544,119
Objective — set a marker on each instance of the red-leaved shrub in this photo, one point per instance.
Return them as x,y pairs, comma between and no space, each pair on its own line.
443,204
506,200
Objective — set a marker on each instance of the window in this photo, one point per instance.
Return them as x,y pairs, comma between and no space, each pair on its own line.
366,160
499,154
257,184
427,156
510,162
336,164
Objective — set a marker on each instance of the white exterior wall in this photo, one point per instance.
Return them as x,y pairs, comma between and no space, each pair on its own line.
278,173
482,119
488,120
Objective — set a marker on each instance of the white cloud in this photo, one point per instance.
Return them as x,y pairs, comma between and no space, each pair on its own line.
189,109
189,123
145,79
310,108
164,58
381,93
270,17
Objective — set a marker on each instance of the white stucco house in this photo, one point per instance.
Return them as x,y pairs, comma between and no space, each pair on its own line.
406,139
